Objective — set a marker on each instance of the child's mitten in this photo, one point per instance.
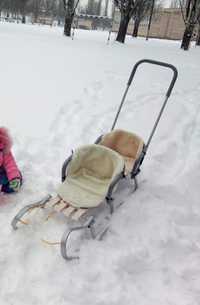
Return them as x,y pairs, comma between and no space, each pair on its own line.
15,184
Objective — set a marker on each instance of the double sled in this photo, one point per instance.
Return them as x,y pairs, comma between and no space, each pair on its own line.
98,177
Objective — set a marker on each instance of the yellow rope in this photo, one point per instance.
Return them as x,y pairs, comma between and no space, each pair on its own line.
50,243
24,222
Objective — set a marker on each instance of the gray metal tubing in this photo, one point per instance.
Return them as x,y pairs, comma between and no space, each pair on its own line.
120,107
64,167
154,62
24,210
68,232
158,63
170,88
135,184
136,167
98,140
114,183
156,123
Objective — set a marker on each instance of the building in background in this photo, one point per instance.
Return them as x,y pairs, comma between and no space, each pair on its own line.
166,24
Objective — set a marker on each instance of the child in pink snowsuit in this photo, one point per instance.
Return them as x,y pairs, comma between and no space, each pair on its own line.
10,176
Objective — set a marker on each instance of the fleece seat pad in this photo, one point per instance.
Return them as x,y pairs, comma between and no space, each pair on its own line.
89,175
127,144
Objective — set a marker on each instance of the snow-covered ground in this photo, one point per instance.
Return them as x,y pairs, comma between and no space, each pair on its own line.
57,94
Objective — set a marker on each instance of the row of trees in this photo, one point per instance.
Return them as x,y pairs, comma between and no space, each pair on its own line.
142,10
133,9
16,8
138,9
13,6
129,9
50,8
95,7
65,9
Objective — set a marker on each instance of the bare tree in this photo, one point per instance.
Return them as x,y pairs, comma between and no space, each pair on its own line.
178,3
35,9
198,30
90,7
69,15
142,10
2,6
93,7
99,6
106,8
59,12
14,8
22,9
127,10
191,20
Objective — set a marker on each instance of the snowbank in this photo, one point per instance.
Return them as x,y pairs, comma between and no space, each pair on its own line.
57,94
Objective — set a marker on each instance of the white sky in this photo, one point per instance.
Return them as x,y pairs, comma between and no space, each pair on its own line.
167,3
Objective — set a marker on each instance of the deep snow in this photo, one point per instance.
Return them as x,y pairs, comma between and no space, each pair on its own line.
57,94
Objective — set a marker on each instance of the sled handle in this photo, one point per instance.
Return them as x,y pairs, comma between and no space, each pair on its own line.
158,63
171,86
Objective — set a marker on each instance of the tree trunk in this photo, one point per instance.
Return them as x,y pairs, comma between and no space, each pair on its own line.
198,37
69,15
190,25
99,8
123,28
187,36
136,27
68,25
35,15
106,8
24,19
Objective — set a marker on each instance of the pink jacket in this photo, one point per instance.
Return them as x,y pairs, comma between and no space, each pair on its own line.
7,160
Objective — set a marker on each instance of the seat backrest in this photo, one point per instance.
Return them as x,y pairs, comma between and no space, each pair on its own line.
125,143
97,161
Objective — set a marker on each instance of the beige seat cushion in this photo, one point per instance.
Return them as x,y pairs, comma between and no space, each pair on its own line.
127,144
89,175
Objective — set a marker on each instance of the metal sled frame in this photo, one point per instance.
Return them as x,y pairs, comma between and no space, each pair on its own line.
136,168
89,223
